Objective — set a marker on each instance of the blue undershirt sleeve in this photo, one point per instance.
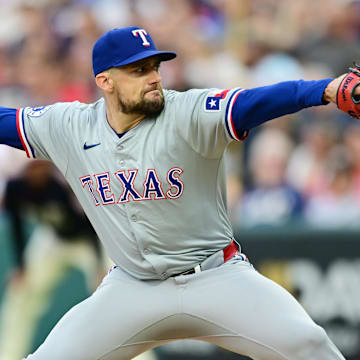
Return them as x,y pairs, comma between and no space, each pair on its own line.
8,128
255,106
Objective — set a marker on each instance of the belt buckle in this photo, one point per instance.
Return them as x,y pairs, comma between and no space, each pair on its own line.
188,272
193,270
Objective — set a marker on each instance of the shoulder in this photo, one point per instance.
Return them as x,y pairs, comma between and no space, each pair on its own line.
59,108
173,95
185,102
79,108
68,111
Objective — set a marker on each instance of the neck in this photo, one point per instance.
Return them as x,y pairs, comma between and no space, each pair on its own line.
119,121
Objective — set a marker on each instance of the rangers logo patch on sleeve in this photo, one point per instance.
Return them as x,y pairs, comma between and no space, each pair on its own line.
213,101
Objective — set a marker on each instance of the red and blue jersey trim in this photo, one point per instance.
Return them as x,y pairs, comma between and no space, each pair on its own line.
229,121
22,134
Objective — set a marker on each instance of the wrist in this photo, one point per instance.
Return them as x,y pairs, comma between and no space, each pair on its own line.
330,92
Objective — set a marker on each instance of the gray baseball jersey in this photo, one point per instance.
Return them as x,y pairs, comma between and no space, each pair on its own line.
156,196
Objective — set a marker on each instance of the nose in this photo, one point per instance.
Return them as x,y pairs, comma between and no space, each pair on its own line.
154,77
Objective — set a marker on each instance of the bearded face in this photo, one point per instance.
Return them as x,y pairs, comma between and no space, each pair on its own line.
150,102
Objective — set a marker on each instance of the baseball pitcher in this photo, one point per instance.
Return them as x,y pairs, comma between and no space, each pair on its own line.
147,165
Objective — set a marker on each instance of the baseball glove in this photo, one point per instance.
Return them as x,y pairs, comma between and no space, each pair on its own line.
346,99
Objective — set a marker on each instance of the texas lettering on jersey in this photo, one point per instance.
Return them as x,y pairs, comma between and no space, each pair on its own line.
99,186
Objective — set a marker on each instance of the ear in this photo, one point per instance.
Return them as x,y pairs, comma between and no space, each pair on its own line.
104,82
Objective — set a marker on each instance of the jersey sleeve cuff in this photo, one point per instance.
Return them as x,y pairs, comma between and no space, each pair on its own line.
22,134
230,126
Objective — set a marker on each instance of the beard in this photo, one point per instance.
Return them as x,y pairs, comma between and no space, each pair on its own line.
147,107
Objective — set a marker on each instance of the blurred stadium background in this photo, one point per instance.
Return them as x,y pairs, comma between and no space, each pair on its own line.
293,185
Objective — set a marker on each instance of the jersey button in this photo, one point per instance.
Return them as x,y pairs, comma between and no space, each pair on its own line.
147,251
119,147
133,217
121,162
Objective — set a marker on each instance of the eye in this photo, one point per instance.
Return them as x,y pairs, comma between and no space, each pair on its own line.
140,69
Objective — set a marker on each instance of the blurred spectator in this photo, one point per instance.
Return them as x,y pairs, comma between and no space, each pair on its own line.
306,164
12,161
352,144
338,203
63,238
276,67
270,200
233,164
338,46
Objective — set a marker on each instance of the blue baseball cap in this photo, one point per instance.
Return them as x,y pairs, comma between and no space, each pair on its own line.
124,46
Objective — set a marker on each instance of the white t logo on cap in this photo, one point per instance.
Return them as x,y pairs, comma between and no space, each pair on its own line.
142,34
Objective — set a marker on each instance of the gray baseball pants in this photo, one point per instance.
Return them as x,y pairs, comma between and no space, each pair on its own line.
232,306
